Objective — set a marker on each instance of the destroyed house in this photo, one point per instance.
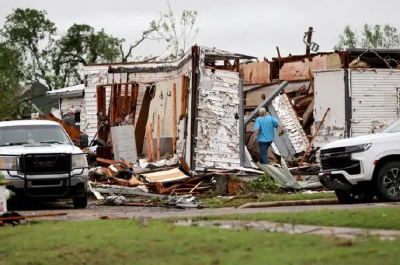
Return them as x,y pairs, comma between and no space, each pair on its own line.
360,87
191,107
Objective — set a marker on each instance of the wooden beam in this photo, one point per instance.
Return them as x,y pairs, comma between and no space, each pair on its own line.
237,64
174,119
151,142
148,140
126,100
119,102
158,138
184,97
135,96
298,177
309,38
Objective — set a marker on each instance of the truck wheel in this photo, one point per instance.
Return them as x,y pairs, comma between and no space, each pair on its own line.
349,197
80,202
389,182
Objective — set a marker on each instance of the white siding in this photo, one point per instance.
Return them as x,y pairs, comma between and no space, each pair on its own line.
218,137
290,122
329,93
373,99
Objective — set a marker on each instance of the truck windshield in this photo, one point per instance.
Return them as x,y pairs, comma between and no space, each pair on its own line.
393,128
32,134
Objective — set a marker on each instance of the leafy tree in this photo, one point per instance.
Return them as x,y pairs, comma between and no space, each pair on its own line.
33,34
178,37
376,36
11,65
372,36
348,39
56,60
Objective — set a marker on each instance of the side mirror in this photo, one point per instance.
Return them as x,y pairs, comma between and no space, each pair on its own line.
84,140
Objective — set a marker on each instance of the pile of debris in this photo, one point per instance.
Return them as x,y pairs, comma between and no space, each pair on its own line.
162,183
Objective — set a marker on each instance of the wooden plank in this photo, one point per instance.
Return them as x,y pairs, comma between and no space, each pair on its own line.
298,177
148,143
22,217
158,138
174,119
184,164
126,100
106,161
151,142
195,187
184,97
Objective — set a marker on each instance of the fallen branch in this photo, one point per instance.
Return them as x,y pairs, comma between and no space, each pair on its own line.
31,216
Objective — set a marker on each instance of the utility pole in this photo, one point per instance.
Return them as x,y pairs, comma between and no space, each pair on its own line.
309,37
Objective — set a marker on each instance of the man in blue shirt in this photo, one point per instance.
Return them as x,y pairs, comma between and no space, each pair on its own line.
264,132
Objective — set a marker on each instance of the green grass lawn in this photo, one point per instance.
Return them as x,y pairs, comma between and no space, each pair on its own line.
124,242
379,218
223,202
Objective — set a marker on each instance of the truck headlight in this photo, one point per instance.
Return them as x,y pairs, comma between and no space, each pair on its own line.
79,161
9,163
358,148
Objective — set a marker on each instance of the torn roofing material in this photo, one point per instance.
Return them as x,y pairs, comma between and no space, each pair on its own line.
265,102
76,91
164,176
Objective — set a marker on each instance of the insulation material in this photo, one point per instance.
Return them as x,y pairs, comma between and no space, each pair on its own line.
217,127
164,176
300,69
255,73
374,99
290,122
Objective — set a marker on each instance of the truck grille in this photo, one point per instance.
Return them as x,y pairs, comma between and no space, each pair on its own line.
37,164
338,160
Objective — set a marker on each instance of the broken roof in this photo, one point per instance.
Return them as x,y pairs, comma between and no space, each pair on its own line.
211,54
73,91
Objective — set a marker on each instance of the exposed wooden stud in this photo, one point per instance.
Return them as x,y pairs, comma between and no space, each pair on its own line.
148,139
158,138
151,142
174,119
126,100
119,102
184,97
135,96
237,64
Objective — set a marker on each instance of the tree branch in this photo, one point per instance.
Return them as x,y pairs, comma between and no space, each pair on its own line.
144,36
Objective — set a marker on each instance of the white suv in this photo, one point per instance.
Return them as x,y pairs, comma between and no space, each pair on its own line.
359,168
38,159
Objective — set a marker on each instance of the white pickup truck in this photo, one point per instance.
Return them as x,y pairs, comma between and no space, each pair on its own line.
360,168
39,160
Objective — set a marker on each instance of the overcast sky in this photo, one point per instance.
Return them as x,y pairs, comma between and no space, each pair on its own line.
253,27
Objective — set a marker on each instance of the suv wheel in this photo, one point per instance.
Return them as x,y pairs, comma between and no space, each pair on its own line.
389,182
349,197
80,202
